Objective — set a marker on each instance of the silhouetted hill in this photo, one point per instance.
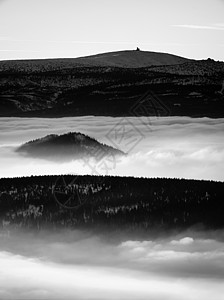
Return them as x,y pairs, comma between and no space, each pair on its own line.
132,59
123,59
73,145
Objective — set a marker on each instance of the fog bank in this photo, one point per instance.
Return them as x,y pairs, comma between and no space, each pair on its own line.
78,265
157,147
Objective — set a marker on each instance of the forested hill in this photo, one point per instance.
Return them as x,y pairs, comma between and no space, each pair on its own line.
72,145
111,202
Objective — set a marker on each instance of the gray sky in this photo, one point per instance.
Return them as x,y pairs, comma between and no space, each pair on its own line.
72,28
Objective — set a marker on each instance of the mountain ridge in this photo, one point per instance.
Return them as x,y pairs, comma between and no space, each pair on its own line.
78,87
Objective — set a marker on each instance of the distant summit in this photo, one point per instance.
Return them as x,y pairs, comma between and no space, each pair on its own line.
132,59
123,59
73,145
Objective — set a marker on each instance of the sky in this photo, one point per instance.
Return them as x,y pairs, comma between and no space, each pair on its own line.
74,28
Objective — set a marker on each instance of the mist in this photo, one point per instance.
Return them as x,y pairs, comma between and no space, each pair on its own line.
180,147
72,264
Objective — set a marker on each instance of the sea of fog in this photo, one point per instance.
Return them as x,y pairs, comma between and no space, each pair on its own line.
78,265
180,147
72,264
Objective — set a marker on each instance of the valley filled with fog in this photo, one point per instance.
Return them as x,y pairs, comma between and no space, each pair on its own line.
176,147
71,264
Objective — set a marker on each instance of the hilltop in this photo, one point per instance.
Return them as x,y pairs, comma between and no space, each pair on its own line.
132,59
72,145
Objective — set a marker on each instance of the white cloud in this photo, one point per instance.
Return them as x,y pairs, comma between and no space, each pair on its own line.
183,241
206,27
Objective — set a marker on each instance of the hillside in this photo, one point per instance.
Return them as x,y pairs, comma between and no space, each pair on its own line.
70,146
110,203
111,84
122,59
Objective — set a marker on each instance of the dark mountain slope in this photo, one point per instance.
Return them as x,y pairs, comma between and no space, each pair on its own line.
95,85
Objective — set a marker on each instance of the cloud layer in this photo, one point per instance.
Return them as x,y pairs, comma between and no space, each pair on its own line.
157,147
77,265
